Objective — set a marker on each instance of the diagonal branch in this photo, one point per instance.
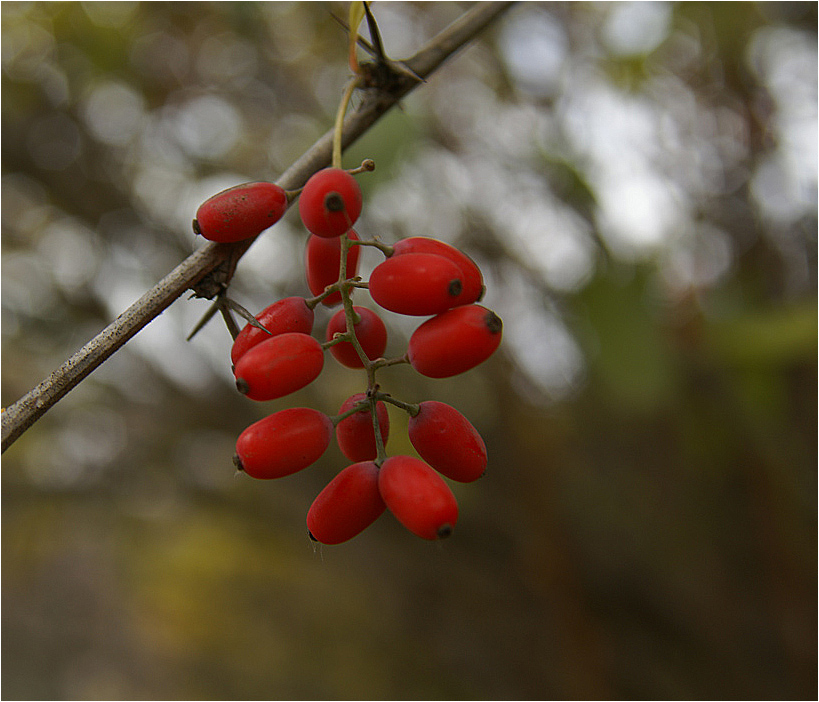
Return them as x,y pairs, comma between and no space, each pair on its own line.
208,270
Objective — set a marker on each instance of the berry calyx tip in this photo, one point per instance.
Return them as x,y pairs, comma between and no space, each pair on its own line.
334,202
493,323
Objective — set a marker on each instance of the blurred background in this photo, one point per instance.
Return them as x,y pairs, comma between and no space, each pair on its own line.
638,182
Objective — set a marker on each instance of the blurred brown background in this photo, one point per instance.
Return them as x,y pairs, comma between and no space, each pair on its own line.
638,182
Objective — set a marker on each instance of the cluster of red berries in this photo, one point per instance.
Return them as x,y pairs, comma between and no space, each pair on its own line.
275,354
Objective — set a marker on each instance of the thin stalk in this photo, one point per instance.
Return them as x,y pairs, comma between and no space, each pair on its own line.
357,407
338,127
386,249
410,408
380,450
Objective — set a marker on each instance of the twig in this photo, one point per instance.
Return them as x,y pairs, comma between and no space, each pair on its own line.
209,269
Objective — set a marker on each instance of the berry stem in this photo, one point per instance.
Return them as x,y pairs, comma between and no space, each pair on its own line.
386,249
313,302
337,339
381,452
409,408
364,404
350,315
367,165
384,362
338,127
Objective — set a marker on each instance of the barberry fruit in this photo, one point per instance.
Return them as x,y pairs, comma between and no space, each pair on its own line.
278,366
446,440
356,435
418,497
455,341
330,202
322,259
240,212
283,443
348,505
471,278
370,332
416,284
290,314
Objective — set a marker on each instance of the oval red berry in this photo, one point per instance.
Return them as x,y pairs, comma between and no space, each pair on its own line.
240,212
279,366
455,341
322,259
471,277
330,202
416,284
370,332
356,435
283,443
290,314
446,440
347,506
418,497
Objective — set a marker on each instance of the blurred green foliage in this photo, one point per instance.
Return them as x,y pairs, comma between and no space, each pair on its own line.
647,527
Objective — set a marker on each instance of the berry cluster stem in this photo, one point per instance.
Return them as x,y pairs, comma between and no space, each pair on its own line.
351,317
381,452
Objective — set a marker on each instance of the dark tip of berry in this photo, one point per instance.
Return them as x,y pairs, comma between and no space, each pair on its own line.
455,287
238,462
196,229
334,202
242,386
310,534
493,323
444,530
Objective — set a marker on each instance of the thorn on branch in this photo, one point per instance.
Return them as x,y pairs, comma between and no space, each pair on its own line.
383,73
225,305
217,281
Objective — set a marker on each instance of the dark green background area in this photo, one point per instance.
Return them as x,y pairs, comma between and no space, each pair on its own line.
647,530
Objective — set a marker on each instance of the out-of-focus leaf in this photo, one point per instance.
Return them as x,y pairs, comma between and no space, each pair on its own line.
776,336
626,347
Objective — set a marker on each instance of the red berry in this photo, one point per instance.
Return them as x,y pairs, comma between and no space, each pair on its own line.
455,341
355,434
288,315
283,443
322,261
347,506
416,284
330,202
370,332
418,497
446,440
471,277
278,366
240,212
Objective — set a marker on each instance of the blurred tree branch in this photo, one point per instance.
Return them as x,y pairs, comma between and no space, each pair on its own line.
209,270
